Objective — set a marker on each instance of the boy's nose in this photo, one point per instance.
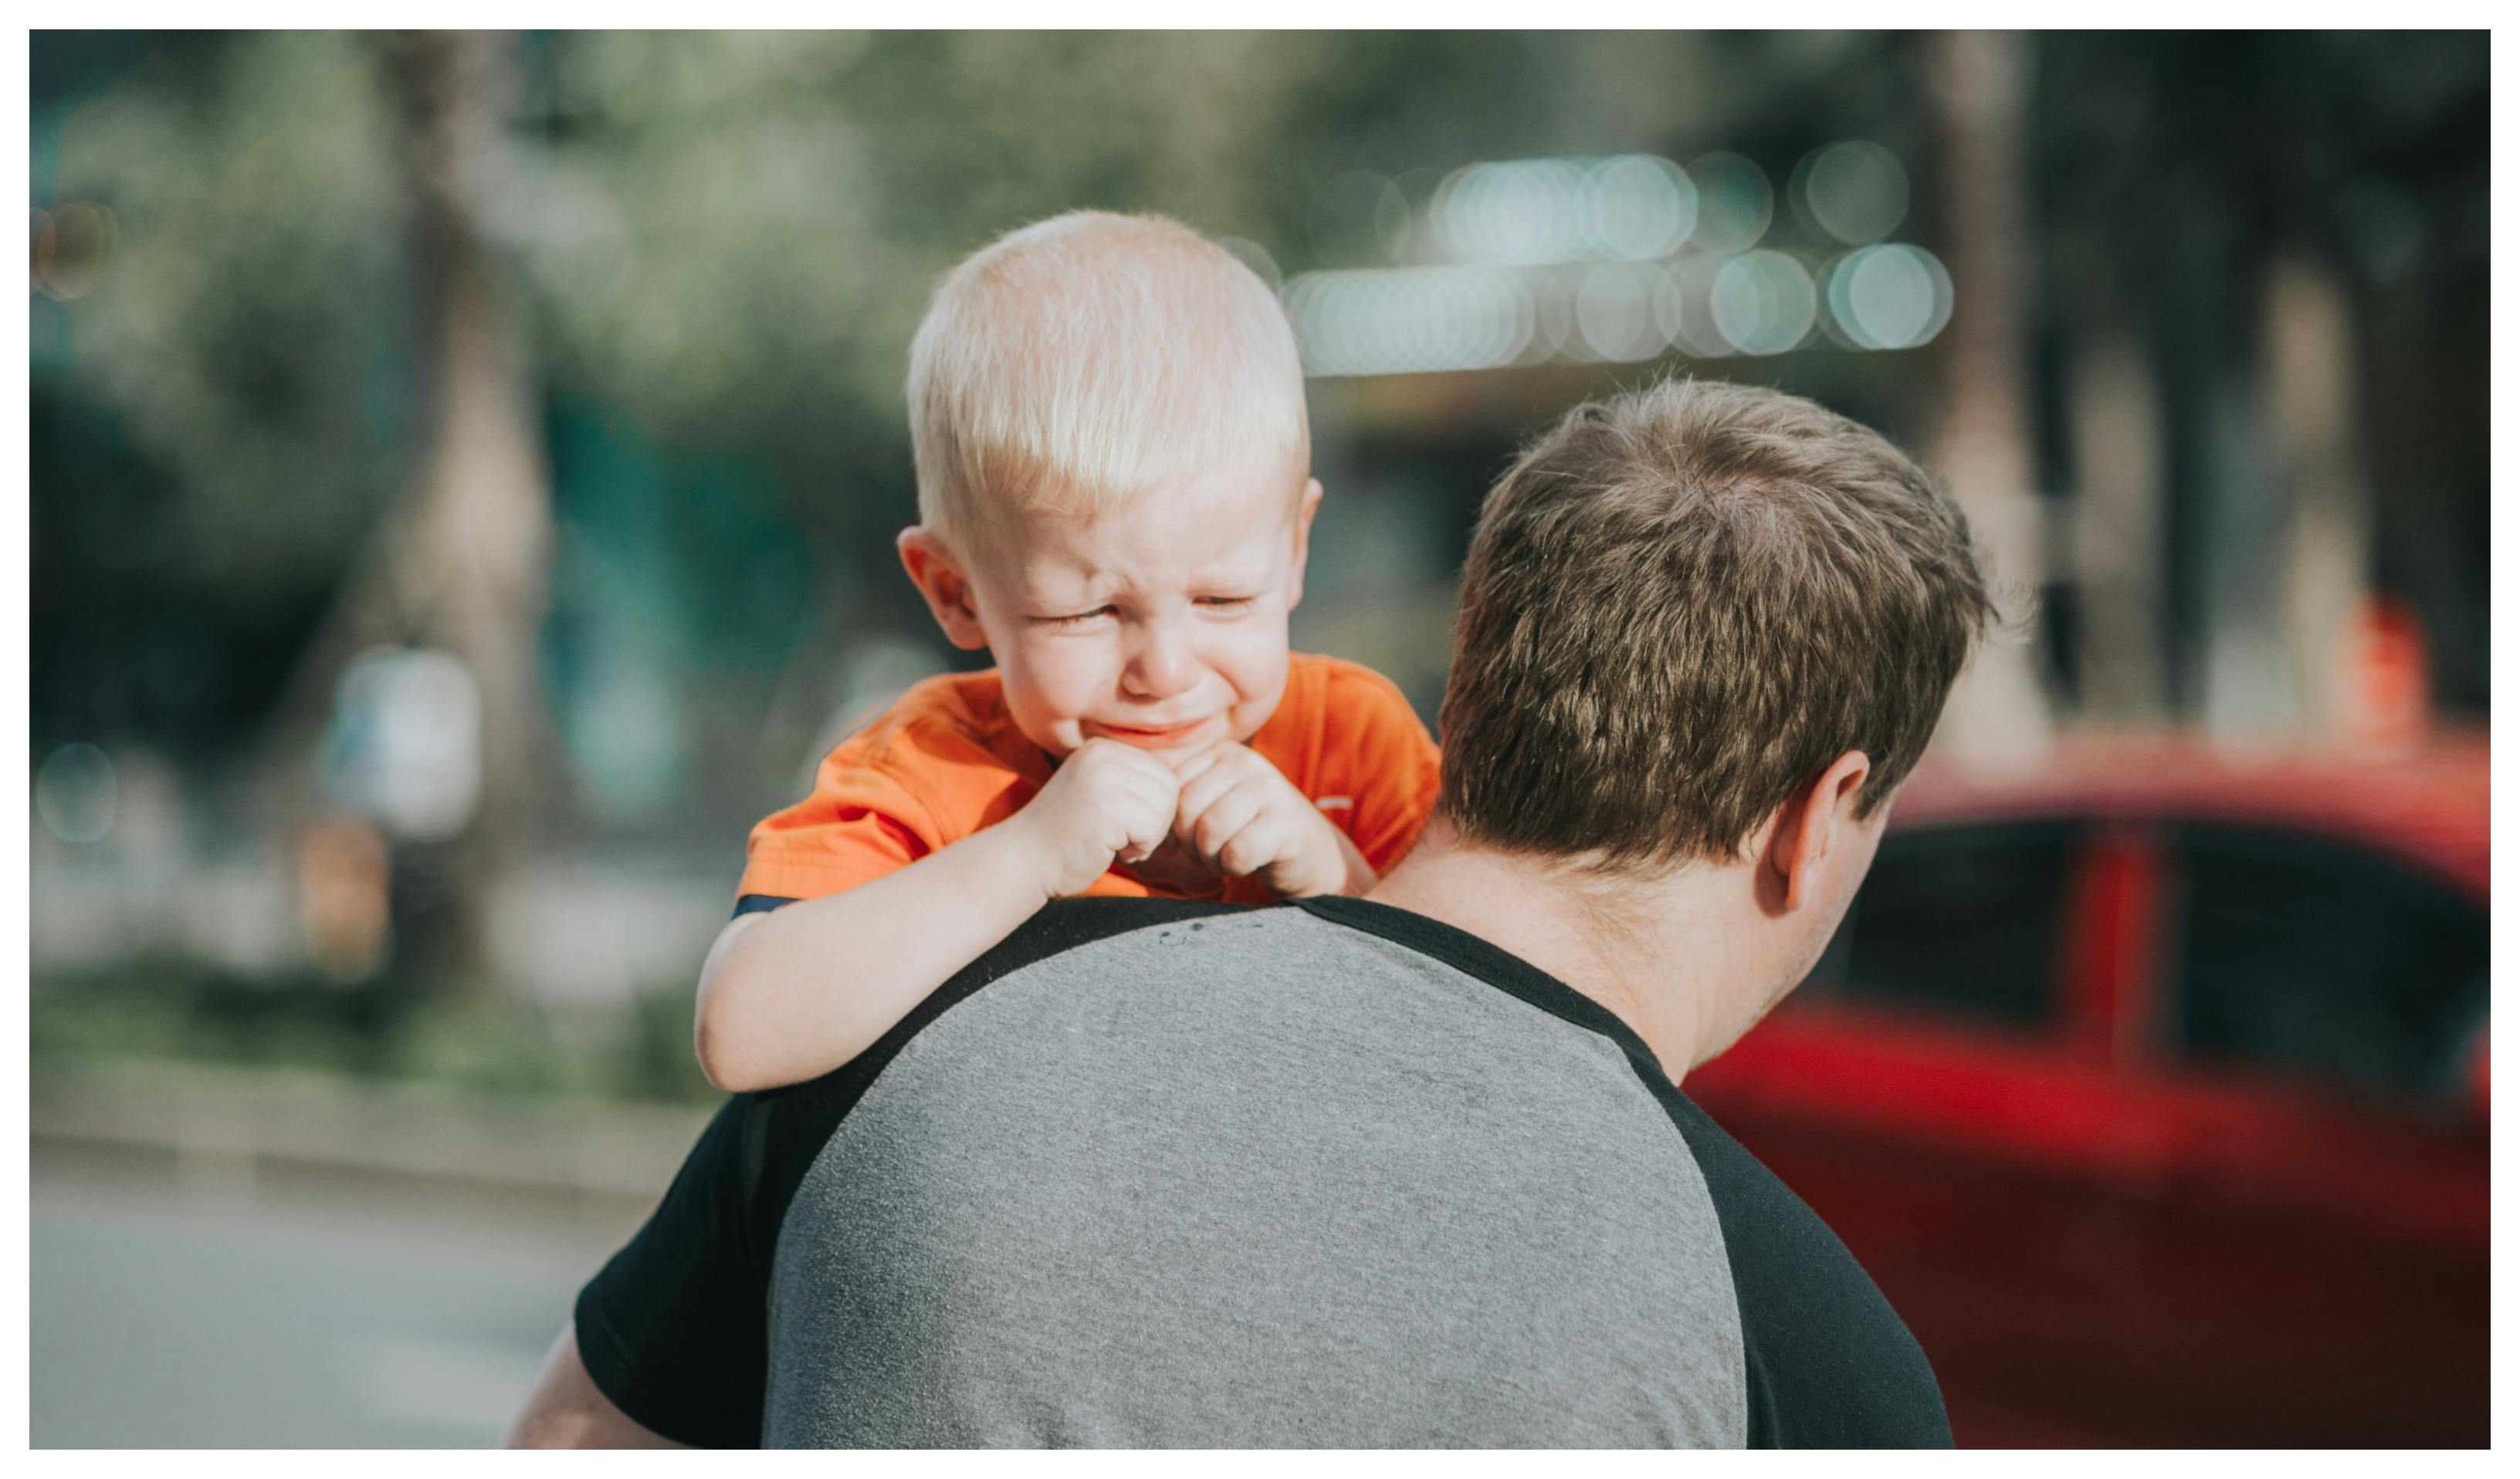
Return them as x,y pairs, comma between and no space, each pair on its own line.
1162,666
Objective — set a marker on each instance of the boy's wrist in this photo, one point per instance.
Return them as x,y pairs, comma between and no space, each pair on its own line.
1016,852
1327,863
1355,874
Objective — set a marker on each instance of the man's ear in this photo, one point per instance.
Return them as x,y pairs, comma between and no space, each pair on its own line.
1812,822
938,573
1303,540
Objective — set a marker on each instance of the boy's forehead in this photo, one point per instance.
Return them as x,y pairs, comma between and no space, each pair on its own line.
1188,529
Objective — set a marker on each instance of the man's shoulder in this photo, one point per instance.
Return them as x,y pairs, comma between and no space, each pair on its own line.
1324,1126
787,1128
1057,927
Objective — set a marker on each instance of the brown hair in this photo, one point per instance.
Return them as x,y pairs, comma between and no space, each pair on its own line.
1685,602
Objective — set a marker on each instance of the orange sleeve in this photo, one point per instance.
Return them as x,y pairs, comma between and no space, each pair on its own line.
856,825
1376,751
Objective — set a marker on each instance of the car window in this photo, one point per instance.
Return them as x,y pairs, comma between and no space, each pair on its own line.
1956,920
2324,963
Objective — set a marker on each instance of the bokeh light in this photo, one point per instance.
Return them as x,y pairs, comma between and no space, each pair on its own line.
1735,203
1515,213
75,793
1614,312
1636,208
1854,191
1409,319
345,897
1684,308
1764,302
1892,297
1553,299
405,744
74,250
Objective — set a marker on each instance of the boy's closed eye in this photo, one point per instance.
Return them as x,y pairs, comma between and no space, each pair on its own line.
1077,618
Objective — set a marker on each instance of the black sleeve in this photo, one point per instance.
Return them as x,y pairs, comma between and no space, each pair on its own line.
1829,1362
674,1328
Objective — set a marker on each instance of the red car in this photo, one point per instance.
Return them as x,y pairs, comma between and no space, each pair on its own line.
2151,1089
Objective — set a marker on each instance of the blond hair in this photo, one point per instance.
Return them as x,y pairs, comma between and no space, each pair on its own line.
1078,362
1682,605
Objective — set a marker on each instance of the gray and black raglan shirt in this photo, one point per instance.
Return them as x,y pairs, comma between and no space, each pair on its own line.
1319,1175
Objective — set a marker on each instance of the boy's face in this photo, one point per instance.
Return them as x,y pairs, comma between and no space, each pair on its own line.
1161,625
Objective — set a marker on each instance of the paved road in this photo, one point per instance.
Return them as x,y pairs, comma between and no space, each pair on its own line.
177,1307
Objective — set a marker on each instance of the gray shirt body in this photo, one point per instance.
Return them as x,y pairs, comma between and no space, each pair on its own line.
1223,1179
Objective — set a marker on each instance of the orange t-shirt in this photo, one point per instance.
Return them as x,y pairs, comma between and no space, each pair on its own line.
945,761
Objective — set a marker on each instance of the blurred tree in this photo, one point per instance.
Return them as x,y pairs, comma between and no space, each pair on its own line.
247,336
298,238
2193,187
1983,447
466,562
715,247
723,241
222,412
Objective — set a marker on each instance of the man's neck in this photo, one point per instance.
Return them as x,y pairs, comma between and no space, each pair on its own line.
1649,952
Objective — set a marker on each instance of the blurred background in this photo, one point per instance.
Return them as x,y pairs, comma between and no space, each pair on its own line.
464,474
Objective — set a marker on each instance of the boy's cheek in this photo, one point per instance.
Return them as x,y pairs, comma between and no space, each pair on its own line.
1257,665
1049,684
1258,677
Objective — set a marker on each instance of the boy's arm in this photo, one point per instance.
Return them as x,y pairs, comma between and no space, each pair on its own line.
792,995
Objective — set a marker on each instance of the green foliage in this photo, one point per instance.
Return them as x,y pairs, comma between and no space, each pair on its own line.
481,1042
251,334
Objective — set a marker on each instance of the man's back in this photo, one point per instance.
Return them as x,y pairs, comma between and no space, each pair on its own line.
1326,1175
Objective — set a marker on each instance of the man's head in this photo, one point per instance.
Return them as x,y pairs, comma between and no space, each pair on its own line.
1707,626
1115,489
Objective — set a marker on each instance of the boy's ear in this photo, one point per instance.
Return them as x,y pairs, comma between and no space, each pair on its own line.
938,574
1303,540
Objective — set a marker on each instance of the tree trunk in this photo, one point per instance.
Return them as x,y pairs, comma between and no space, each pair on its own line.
2000,709
462,559
2311,392
478,550
2120,535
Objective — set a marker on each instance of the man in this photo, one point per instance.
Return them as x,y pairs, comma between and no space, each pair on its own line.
1407,1169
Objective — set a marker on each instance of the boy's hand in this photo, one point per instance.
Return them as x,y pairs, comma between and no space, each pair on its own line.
1109,802
1241,816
